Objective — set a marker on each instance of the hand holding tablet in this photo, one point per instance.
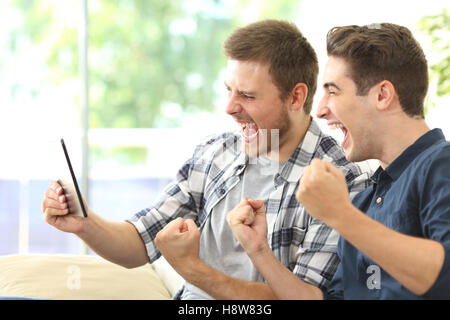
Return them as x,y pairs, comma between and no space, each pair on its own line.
70,188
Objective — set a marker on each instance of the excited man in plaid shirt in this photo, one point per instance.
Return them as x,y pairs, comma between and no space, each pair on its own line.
272,74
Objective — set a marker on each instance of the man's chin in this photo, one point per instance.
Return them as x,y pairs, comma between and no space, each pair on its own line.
353,156
349,154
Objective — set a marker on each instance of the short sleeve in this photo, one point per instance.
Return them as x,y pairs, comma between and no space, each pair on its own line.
435,215
335,289
317,260
441,287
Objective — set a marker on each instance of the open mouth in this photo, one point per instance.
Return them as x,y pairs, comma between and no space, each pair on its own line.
249,131
339,125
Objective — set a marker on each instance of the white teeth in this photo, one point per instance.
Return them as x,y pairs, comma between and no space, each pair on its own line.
336,126
245,124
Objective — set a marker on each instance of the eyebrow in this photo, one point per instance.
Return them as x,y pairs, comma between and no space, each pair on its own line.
330,84
241,92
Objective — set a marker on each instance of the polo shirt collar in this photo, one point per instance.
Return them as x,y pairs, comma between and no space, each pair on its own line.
396,168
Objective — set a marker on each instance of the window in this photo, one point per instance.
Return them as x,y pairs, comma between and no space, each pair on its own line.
154,87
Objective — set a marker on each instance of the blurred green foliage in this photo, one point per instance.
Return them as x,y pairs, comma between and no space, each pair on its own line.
437,27
150,62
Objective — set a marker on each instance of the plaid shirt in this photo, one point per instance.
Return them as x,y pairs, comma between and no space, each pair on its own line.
303,244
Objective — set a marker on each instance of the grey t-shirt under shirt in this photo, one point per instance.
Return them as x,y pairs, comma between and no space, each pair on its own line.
218,246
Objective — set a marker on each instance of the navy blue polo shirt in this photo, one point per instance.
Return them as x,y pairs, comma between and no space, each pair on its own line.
411,196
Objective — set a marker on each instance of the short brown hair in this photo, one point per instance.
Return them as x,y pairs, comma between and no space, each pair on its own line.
380,52
290,56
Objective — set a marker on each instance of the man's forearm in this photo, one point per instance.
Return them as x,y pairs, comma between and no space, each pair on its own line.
412,261
118,242
283,282
223,287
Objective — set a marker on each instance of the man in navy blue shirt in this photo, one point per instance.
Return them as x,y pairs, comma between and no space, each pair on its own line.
395,235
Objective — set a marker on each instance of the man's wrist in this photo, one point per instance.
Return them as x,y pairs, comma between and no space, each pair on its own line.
261,254
87,226
341,219
192,269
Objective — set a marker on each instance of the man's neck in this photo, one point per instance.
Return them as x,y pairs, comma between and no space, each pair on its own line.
398,138
291,140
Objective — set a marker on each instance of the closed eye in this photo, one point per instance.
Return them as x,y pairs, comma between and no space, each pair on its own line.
331,88
246,96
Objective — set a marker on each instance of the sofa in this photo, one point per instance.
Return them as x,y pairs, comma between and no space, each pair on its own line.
84,277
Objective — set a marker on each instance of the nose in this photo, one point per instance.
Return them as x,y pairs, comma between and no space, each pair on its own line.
322,111
233,105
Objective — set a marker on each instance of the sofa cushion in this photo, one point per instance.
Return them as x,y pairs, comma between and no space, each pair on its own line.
77,277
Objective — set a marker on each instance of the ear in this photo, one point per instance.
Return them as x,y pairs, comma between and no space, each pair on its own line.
385,94
298,96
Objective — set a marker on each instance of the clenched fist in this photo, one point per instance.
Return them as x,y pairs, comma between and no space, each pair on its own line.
179,243
248,223
323,192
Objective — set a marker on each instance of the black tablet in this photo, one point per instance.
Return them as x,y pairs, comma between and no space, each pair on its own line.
70,188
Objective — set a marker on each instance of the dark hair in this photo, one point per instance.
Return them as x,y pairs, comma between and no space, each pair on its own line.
290,56
383,52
